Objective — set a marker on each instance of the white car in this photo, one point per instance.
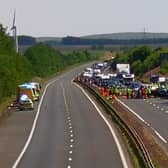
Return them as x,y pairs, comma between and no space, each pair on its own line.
25,103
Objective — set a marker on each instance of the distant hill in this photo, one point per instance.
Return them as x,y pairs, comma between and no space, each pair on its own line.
134,38
128,36
43,39
112,36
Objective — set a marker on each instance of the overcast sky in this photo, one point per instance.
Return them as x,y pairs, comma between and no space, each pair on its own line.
83,17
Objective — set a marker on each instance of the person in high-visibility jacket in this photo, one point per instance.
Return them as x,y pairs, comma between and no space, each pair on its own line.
149,92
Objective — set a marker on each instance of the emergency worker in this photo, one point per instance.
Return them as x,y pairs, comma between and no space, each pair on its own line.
149,91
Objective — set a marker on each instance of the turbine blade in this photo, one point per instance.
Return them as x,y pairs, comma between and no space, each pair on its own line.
14,19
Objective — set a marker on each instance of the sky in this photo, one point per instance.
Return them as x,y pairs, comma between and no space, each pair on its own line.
61,18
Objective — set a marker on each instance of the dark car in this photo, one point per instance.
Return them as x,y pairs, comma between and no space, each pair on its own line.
162,92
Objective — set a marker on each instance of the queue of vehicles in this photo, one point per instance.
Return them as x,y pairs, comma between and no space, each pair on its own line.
27,94
124,82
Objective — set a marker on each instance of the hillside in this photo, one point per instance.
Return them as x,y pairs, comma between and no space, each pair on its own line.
113,36
128,36
43,39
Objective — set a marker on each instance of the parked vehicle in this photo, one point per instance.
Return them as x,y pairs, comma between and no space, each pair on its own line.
25,103
162,92
37,88
123,68
28,90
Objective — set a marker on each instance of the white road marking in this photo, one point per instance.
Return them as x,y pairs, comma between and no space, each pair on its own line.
34,125
68,166
162,109
139,117
69,123
71,140
123,159
154,105
70,152
166,111
142,120
65,101
158,107
36,118
147,124
163,139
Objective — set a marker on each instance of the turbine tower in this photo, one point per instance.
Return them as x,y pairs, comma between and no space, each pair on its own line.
15,38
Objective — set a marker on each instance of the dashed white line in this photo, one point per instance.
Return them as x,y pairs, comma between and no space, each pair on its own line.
35,120
34,124
163,139
121,153
157,107
71,146
70,126
162,109
71,140
139,117
70,152
65,101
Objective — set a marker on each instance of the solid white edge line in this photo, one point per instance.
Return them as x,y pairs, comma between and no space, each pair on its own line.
35,120
139,117
123,159
33,127
160,137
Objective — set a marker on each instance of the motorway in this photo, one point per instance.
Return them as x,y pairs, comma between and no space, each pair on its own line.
69,132
154,112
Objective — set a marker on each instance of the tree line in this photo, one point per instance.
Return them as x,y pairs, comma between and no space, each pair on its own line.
143,59
38,61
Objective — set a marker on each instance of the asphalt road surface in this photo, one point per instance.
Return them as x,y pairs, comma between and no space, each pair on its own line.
70,133
155,113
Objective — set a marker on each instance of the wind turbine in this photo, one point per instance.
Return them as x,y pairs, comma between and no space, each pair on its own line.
15,38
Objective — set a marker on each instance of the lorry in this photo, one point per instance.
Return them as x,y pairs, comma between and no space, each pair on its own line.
123,68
